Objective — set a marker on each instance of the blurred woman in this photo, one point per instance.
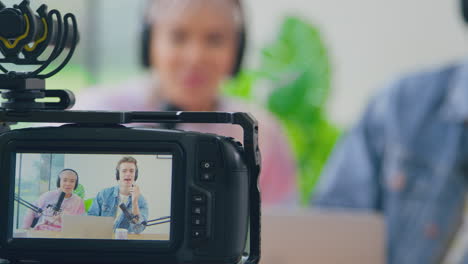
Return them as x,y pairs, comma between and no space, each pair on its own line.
191,47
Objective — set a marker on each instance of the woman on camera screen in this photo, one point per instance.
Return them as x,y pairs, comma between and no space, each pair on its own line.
190,47
56,203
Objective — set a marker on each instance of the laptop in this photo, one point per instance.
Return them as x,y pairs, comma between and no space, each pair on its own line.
87,227
325,237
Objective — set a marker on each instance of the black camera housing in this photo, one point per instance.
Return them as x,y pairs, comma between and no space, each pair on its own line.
231,198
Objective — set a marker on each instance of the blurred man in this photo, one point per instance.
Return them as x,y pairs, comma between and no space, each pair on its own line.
408,158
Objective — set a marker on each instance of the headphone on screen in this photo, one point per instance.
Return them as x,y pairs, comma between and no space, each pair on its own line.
64,170
464,8
241,46
117,173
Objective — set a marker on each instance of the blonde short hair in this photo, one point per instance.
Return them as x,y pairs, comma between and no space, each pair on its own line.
127,160
157,7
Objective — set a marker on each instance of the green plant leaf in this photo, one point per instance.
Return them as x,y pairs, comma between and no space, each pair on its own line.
297,67
88,203
80,191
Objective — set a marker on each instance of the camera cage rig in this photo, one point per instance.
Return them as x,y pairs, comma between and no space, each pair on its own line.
34,33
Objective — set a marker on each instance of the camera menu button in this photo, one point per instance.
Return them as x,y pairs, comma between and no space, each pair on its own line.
198,198
207,176
198,233
198,210
198,221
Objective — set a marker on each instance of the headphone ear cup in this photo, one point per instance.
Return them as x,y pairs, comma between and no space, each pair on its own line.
240,52
464,9
117,175
76,184
77,178
145,45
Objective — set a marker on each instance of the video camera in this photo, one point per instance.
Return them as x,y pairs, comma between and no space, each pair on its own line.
192,197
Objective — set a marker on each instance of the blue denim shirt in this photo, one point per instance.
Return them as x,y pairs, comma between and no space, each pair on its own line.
404,159
106,203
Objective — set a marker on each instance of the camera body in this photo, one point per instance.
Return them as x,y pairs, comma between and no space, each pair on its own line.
95,191
214,195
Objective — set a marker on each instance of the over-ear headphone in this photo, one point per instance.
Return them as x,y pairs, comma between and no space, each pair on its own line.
464,8
117,174
241,46
64,170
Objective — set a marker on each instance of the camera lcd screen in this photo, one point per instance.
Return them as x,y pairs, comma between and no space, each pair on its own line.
93,196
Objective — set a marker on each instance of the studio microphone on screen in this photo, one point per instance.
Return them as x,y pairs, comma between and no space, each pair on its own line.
130,217
58,205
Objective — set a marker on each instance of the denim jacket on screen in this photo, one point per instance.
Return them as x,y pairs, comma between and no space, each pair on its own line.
106,203
403,159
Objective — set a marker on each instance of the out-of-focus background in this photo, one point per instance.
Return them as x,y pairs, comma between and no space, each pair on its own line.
313,63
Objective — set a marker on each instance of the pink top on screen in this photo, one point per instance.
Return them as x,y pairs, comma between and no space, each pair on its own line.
278,176
70,206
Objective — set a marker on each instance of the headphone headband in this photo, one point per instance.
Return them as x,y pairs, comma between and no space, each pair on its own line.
242,40
125,160
72,170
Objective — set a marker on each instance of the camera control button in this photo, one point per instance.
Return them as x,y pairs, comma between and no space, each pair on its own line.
197,198
207,176
198,210
198,234
207,165
198,221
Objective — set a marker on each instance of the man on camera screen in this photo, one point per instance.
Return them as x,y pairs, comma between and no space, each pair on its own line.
109,202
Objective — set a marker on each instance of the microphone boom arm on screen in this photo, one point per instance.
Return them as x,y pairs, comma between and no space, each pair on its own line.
38,211
27,204
158,221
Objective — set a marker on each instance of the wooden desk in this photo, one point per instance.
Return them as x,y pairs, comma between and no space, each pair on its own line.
55,234
148,236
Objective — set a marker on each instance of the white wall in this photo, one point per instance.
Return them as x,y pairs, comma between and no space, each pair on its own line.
97,172
371,41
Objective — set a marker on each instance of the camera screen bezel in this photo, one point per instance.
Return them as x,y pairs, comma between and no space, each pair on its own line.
64,146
